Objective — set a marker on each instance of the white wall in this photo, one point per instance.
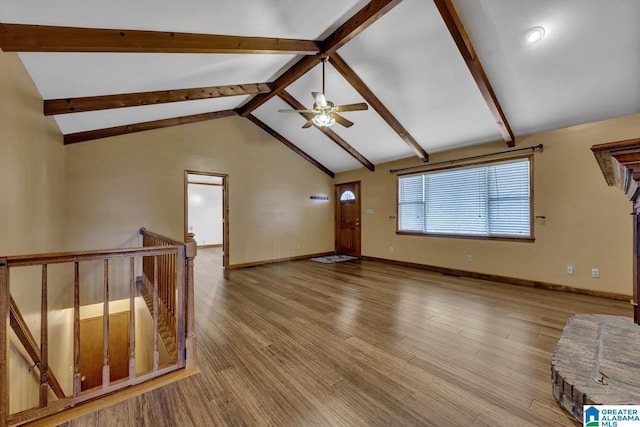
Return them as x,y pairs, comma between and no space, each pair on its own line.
205,213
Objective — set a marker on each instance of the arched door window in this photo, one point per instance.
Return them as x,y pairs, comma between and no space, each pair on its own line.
347,196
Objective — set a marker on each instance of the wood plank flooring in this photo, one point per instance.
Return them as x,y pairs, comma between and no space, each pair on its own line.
362,343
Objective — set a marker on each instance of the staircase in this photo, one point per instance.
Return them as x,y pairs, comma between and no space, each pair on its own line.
161,271
27,340
166,332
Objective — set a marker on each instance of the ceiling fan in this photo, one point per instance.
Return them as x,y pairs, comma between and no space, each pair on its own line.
325,113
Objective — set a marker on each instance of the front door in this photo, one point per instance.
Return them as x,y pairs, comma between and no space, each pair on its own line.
348,219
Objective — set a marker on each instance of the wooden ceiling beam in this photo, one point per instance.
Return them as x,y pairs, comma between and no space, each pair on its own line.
299,69
462,40
366,16
354,26
357,83
90,135
42,38
38,38
297,105
106,102
289,144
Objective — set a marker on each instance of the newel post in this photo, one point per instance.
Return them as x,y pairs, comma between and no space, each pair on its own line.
190,342
4,340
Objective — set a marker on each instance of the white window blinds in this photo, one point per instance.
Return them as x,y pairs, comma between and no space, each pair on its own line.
485,200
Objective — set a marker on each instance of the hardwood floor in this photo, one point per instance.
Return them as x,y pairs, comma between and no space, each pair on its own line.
362,344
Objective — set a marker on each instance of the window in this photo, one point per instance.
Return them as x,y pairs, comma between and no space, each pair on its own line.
347,196
489,200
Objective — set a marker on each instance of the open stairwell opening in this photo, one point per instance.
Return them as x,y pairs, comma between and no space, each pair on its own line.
80,326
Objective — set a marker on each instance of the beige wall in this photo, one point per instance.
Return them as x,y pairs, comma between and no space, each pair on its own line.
31,206
32,183
31,166
118,184
587,223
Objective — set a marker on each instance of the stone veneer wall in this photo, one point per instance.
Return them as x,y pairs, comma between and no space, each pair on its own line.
596,362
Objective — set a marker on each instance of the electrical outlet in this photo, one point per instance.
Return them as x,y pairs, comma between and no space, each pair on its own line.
390,248
595,273
469,258
569,269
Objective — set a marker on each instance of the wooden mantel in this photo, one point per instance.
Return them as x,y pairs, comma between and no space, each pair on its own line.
620,164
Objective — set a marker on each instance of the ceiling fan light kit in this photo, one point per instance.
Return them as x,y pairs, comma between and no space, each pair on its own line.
324,119
325,113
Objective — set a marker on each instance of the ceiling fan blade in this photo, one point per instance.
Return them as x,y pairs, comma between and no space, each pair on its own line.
320,99
343,121
308,124
295,111
353,107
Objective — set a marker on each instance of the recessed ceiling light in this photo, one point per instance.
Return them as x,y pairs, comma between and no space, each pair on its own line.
534,35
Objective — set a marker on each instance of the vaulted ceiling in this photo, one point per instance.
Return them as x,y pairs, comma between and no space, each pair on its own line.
437,74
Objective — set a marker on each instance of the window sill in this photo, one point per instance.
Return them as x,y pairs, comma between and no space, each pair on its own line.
463,236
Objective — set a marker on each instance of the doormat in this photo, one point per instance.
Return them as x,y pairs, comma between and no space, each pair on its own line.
330,259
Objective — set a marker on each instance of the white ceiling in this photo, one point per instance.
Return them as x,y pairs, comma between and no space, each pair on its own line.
585,69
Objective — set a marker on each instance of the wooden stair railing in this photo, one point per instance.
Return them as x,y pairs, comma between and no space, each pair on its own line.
168,267
167,333
167,294
23,333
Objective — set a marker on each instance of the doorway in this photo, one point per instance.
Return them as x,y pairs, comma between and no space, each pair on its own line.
206,209
347,226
